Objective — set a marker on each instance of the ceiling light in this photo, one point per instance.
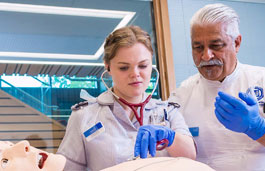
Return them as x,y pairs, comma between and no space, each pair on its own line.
125,17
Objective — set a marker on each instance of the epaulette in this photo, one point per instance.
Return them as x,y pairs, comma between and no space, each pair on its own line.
79,105
175,105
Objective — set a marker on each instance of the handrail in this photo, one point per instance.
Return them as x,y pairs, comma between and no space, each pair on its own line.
41,81
95,79
87,79
23,94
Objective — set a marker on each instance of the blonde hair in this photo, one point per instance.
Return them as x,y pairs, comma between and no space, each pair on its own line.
125,37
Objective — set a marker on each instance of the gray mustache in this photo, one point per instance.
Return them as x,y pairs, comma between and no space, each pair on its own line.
209,63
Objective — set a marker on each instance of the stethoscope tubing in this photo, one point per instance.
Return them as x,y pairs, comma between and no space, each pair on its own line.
160,144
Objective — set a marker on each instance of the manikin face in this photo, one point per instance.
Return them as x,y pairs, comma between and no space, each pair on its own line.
131,72
22,156
211,42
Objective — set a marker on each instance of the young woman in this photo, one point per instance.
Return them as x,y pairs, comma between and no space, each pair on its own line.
109,129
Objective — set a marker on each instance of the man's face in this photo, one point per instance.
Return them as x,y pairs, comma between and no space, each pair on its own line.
214,52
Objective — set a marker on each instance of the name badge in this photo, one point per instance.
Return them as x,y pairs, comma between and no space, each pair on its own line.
94,131
194,131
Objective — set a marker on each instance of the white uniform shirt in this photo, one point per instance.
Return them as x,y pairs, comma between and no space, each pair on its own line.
220,148
116,144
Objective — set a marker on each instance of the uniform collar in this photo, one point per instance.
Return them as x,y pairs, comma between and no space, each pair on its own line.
107,98
227,80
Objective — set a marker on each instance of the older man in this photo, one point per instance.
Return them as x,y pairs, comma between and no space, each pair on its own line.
229,130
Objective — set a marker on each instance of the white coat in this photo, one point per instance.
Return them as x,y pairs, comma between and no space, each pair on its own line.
116,143
220,148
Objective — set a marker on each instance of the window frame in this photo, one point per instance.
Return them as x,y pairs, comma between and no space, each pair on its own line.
164,48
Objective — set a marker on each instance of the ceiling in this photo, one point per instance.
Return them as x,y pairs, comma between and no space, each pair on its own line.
58,70
58,44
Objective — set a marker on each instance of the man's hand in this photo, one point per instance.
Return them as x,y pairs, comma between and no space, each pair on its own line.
147,137
240,116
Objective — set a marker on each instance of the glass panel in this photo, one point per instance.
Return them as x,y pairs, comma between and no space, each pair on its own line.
251,27
49,51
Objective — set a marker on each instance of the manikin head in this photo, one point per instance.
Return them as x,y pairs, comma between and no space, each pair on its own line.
128,59
215,41
22,156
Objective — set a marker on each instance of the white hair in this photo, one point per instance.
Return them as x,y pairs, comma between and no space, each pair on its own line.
217,13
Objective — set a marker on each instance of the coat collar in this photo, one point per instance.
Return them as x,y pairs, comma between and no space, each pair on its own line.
227,81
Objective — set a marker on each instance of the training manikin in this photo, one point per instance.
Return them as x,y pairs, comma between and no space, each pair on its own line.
22,156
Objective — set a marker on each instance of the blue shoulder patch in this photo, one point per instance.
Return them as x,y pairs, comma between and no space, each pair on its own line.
258,92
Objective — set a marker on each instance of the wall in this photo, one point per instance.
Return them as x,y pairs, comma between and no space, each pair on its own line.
251,27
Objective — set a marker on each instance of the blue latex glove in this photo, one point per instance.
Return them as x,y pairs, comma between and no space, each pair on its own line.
147,137
240,116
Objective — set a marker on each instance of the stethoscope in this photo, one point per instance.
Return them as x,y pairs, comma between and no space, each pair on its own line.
160,145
